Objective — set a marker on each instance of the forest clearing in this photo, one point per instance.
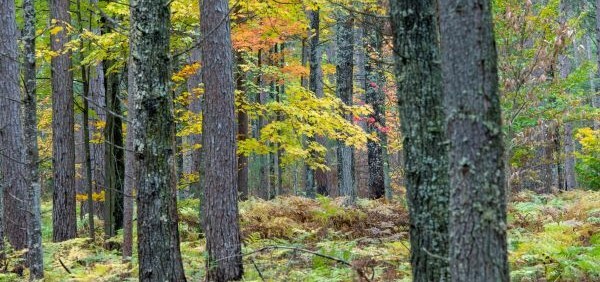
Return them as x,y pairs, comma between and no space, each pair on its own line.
300,140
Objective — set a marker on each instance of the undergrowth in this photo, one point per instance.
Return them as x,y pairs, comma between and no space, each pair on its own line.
551,238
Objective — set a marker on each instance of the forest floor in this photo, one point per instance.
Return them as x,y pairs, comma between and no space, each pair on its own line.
551,238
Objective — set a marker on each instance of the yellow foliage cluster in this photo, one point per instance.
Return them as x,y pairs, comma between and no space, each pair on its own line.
96,197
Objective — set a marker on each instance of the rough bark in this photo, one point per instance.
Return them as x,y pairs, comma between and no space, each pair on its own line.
221,217
477,226
344,90
154,142
35,255
421,104
64,219
374,96
12,148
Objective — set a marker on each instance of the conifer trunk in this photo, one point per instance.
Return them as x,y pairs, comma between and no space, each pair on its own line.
221,217
12,148
35,255
64,219
421,104
154,142
477,226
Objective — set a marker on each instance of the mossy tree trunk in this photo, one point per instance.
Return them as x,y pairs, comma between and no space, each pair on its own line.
154,142
421,103
477,226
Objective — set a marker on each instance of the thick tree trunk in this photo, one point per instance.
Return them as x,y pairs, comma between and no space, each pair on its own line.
221,218
12,148
477,226
154,143
35,255
344,71
421,103
114,159
64,219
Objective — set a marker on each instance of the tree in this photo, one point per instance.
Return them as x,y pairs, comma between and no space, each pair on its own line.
12,149
421,103
344,71
154,142
373,84
315,85
64,219
221,218
35,255
477,225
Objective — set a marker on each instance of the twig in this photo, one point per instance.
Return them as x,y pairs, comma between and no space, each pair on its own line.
257,270
64,266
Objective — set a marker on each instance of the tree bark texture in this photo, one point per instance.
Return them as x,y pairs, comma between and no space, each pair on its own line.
374,96
221,217
12,148
64,219
35,255
421,104
477,226
154,142
344,72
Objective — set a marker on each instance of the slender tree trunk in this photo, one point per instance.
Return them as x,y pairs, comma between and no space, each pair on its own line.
261,97
154,143
195,107
98,105
314,85
421,104
131,174
64,219
477,226
221,218
87,159
569,147
242,132
374,96
35,254
114,163
344,71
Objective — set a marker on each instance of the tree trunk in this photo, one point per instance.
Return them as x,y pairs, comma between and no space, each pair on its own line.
421,104
477,226
192,165
596,98
12,148
374,96
154,143
221,218
314,85
64,219
35,254
131,173
242,132
344,71
114,163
